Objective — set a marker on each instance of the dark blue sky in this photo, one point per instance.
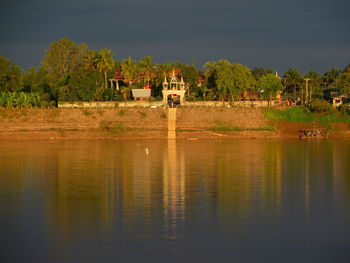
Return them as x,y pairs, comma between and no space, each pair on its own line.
306,34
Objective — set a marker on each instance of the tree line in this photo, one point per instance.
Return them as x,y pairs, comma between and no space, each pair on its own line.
71,72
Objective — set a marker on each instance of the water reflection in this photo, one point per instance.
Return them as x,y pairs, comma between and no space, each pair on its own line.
152,195
173,192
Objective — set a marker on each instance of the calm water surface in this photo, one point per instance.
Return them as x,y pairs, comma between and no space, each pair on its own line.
175,201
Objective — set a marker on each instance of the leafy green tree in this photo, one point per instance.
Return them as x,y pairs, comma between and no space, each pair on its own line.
233,79
15,78
87,85
224,77
63,57
105,62
259,72
11,77
41,85
191,75
347,69
243,79
210,75
29,79
4,73
269,85
344,82
330,77
147,68
293,78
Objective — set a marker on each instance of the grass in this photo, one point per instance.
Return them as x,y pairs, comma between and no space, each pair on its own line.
302,114
87,113
114,127
24,113
143,114
163,115
122,112
221,126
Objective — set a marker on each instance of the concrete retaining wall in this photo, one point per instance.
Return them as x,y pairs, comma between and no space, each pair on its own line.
244,104
110,104
147,104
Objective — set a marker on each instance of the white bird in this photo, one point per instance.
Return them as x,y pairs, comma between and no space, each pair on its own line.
146,151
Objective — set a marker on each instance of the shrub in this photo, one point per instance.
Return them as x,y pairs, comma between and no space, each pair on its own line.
321,106
19,99
344,109
293,114
302,114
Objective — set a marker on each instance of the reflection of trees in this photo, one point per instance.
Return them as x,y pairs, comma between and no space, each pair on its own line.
116,186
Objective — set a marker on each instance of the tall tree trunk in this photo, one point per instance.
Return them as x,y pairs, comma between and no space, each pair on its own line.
302,95
105,78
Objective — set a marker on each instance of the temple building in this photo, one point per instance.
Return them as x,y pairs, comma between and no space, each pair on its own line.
174,91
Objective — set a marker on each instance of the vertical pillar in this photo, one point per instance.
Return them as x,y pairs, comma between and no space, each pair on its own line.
165,97
182,98
171,123
307,90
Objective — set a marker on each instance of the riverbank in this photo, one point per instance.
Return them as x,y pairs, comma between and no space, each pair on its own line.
115,123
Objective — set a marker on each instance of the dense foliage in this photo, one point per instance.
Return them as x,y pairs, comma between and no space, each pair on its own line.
71,72
19,99
269,85
317,112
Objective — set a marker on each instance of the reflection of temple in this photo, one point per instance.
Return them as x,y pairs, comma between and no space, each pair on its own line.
173,192
173,89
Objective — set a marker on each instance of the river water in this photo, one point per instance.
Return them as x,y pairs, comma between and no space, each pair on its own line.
175,201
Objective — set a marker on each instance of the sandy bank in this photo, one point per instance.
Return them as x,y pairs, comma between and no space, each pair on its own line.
19,124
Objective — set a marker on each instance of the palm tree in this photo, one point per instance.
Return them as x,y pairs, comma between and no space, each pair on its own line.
91,60
315,81
105,62
293,78
163,71
129,69
331,77
147,68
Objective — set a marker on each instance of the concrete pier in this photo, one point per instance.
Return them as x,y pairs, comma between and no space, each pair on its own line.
172,123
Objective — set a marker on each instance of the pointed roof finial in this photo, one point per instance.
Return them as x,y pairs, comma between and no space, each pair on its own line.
165,81
173,72
182,80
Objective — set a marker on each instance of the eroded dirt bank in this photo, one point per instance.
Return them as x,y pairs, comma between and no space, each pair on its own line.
19,124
